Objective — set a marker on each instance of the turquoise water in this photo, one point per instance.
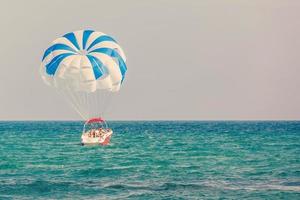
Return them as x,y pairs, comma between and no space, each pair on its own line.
151,160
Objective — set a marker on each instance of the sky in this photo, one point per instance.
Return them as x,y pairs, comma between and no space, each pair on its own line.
187,60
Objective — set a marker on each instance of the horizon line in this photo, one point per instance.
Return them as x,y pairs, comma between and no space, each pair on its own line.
137,120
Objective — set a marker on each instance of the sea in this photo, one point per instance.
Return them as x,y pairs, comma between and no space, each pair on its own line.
151,160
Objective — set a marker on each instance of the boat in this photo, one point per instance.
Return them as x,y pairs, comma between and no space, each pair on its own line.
96,132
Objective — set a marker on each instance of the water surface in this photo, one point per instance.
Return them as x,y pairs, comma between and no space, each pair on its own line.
151,160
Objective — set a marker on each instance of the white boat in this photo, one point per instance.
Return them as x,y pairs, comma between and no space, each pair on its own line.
88,139
95,132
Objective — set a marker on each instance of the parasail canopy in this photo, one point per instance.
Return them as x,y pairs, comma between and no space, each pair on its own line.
85,66
84,61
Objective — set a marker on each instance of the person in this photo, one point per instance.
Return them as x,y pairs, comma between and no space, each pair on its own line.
97,133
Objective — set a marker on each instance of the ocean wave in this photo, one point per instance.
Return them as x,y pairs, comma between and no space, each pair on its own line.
258,186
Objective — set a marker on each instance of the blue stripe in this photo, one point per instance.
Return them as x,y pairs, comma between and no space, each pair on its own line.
98,66
115,54
85,37
71,37
57,47
101,39
53,65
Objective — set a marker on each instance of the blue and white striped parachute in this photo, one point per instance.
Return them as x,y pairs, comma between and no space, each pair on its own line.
85,66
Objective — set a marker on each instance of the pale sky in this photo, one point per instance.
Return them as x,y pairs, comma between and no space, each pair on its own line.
189,60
